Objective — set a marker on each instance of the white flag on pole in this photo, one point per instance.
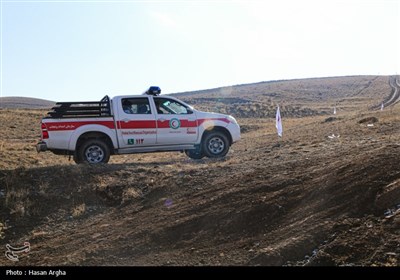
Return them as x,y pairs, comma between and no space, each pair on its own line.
279,122
382,107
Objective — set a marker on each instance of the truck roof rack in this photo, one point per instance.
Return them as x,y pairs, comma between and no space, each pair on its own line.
89,109
153,90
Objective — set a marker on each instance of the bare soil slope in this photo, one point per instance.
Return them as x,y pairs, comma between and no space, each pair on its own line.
309,198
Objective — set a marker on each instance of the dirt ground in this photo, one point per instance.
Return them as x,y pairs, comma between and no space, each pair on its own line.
326,193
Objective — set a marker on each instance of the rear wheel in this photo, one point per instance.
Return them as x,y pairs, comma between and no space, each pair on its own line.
93,151
215,144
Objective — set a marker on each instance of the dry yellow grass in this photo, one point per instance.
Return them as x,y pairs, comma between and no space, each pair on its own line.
78,210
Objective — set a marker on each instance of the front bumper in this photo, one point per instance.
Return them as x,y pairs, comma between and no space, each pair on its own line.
41,147
234,129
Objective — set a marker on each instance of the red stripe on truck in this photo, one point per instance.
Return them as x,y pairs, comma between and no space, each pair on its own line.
136,124
57,126
201,121
133,124
184,123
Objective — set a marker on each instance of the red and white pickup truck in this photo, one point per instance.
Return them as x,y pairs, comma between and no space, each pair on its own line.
92,131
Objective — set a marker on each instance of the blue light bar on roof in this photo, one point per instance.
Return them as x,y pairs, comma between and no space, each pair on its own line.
153,90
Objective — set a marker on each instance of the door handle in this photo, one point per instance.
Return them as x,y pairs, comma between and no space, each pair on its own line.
161,119
126,120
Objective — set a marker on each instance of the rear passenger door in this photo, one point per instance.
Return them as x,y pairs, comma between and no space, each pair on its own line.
136,124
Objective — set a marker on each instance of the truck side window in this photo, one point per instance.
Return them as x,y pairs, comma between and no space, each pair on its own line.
169,106
136,105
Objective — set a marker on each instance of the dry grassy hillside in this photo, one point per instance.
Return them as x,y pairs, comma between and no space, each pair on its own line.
297,98
25,103
305,199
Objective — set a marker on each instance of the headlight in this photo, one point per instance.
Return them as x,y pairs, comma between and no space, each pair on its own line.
232,119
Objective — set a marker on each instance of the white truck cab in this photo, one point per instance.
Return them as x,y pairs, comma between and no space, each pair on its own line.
92,131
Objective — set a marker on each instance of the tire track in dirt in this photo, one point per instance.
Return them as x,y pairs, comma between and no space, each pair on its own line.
394,94
395,91
366,86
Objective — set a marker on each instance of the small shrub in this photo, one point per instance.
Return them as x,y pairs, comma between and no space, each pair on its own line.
78,210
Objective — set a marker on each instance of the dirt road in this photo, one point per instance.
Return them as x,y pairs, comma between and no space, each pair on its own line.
394,96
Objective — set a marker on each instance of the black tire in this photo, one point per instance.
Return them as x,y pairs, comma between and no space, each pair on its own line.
215,144
93,151
76,158
194,154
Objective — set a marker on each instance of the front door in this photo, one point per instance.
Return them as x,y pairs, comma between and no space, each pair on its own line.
176,123
136,123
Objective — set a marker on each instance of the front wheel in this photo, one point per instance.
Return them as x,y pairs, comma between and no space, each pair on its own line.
93,151
76,158
215,145
194,154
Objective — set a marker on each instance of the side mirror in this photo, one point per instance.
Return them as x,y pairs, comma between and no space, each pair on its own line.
189,111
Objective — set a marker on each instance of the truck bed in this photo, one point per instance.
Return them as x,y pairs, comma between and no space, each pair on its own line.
91,109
